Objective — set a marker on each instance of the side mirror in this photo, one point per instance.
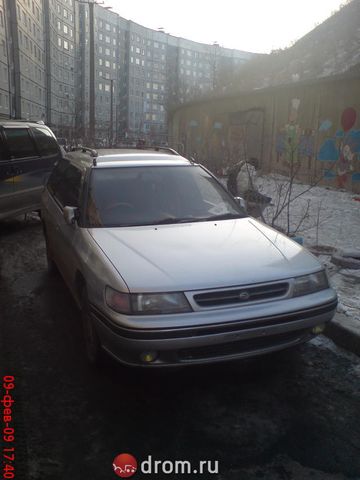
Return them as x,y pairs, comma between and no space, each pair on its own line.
242,203
70,215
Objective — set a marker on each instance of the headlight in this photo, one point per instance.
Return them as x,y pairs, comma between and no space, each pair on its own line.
146,303
310,283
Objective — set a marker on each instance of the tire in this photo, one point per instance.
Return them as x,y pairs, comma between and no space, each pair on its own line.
93,350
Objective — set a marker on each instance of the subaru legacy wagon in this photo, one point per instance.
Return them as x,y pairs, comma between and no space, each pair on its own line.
167,267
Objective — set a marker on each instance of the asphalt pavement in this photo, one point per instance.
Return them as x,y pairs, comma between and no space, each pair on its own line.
293,415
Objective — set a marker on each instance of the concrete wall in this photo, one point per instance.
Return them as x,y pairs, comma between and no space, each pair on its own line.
311,127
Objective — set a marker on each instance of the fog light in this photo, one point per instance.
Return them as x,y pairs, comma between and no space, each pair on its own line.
318,329
148,357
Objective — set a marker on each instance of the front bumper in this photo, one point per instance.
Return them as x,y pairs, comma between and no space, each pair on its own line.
215,342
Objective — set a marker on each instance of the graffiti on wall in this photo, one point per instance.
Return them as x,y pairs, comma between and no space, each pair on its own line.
342,150
339,150
293,143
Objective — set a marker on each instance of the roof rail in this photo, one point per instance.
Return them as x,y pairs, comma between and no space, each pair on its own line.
166,149
92,151
157,148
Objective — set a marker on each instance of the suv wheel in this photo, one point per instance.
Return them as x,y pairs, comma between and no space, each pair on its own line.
93,349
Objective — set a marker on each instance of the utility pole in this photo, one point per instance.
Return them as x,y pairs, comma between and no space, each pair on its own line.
91,4
13,34
111,112
111,123
92,73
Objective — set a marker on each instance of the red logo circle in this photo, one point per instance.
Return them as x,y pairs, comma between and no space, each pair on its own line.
125,465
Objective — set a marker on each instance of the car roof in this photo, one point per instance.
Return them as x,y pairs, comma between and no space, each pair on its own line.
106,158
23,123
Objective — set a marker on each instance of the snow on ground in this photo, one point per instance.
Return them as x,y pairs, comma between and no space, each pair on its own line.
334,216
333,220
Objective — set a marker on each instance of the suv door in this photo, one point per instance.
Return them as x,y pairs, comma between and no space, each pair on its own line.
26,166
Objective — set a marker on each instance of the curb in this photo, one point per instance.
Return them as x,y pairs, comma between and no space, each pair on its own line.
345,332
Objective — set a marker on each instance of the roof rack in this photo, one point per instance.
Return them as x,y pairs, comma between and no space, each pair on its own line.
166,149
93,153
157,148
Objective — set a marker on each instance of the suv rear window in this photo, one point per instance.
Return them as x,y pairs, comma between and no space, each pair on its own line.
20,143
46,143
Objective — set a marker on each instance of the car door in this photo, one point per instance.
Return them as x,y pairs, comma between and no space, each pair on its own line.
26,166
6,179
64,189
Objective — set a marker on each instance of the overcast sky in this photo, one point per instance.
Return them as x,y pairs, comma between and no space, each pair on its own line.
250,25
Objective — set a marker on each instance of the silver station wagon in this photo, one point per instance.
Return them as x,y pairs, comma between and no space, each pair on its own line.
167,266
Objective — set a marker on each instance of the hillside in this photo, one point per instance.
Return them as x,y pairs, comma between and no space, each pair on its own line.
332,48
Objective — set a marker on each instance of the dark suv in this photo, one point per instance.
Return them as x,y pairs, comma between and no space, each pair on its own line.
28,152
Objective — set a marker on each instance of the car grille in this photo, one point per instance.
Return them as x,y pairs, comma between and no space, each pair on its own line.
241,295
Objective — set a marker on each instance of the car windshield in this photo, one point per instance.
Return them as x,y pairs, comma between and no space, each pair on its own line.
154,195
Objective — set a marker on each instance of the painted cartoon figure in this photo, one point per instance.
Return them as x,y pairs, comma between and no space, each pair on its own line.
345,165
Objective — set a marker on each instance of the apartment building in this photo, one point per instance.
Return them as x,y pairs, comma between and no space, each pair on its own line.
25,57
60,48
94,76
5,95
147,82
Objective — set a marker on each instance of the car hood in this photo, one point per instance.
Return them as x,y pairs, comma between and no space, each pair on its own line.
193,256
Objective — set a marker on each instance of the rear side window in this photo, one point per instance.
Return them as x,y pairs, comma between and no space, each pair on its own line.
46,143
20,143
65,184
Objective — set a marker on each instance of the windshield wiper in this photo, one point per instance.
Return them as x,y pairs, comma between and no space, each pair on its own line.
174,220
223,216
